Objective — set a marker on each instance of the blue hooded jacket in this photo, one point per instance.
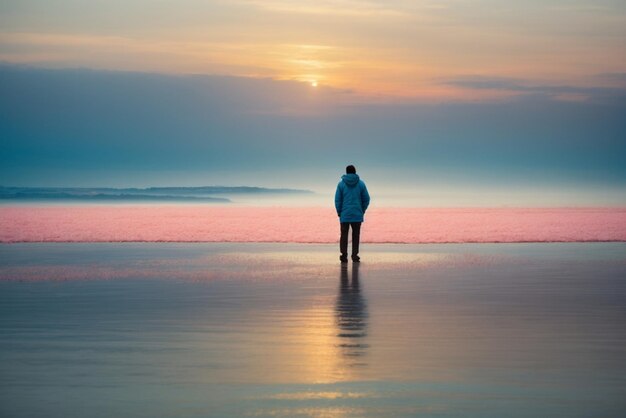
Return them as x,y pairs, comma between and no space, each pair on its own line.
351,198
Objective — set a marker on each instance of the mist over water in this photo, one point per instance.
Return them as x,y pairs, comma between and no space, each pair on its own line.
382,194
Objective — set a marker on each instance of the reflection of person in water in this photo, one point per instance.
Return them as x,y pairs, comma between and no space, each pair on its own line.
351,312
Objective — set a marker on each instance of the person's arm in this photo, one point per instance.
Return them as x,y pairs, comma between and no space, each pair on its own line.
365,198
338,199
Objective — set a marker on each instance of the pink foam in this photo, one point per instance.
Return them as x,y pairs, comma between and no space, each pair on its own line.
319,225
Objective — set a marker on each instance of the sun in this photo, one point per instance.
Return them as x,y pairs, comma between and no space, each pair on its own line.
314,83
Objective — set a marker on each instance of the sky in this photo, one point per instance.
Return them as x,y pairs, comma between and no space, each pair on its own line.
450,102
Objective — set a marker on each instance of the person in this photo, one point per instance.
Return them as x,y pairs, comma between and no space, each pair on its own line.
351,202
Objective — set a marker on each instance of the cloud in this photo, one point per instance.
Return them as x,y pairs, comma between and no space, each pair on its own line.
347,8
619,78
555,91
391,47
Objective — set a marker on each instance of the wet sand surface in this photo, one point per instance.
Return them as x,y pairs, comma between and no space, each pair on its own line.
273,330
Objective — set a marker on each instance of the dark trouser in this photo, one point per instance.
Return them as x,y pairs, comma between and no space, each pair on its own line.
356,236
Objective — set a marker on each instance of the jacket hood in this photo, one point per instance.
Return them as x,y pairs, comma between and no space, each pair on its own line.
350,179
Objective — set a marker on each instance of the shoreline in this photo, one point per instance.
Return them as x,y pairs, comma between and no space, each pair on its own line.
315,242
280,261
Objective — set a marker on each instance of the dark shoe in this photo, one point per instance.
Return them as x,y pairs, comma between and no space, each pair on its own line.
343,258
356,259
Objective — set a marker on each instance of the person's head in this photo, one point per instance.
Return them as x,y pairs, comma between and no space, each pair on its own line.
350,169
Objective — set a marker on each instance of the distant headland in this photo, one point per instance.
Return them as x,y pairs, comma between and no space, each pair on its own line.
199,194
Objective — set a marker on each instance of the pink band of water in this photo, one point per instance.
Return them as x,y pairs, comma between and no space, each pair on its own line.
105,223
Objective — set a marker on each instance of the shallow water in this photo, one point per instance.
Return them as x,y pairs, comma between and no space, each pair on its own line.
266,330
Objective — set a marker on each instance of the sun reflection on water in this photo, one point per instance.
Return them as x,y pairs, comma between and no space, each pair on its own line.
326,342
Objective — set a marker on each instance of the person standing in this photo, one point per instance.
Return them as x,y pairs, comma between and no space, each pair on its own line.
351,202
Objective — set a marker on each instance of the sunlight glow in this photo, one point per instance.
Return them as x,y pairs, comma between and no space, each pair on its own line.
399,49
